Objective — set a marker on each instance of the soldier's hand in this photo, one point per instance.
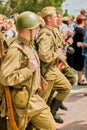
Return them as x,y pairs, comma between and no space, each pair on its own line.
59,51
62,58
70,41
32,64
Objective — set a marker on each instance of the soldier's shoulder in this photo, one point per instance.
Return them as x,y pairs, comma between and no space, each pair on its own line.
17,45
2,35
14,44
44,34
45,31
56,31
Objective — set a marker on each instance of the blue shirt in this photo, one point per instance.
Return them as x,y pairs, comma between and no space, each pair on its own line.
84,49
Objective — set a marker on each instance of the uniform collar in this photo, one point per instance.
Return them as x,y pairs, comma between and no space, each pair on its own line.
26,42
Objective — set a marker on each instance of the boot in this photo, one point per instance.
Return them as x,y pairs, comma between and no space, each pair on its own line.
63,107
55,105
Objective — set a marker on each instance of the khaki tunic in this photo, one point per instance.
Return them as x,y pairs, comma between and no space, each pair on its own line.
67,71
5,44
16,74
48,41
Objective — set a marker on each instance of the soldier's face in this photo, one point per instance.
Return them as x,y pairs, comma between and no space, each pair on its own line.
28,34
60,19
35,31
1,23
54,19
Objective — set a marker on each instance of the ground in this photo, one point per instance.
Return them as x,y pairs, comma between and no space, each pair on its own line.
76,116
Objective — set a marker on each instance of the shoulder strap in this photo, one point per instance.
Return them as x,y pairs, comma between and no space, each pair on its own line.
23,48
1,50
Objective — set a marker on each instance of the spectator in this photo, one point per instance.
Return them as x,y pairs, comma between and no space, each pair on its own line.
78,59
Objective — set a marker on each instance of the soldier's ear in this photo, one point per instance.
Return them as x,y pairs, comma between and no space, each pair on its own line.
48,18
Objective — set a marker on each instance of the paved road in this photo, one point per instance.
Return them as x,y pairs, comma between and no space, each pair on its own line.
76,116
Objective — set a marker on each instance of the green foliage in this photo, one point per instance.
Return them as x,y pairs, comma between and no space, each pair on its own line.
66,13
57,3
13,6
73,16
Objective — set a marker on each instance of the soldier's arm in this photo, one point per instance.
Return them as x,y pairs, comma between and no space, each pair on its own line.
46,53
11,73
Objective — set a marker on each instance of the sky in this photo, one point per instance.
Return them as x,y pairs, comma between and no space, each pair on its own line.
74,6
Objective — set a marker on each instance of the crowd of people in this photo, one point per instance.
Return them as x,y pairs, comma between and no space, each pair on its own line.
38,52
78,31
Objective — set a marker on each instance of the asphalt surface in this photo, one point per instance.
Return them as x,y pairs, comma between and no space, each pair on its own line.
75,118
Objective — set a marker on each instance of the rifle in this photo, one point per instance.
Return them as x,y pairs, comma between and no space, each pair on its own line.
1,50
10,111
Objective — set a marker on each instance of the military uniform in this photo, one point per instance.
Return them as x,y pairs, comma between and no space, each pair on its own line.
5,43
66,70
48,42
24,83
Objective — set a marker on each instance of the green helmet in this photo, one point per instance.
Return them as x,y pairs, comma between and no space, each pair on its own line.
27,20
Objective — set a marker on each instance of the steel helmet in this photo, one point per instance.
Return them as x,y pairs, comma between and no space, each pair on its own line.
27,20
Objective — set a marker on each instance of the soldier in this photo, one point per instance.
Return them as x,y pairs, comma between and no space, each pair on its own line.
21,72
50,52
4,42
66,37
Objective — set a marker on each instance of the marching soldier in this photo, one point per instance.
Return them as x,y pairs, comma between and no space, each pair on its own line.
20,72
50,52
4,44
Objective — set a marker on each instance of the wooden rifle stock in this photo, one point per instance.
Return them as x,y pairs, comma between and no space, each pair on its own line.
10,112
1,50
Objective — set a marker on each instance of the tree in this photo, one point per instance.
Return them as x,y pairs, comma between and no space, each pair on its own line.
57,3
12,6
66,13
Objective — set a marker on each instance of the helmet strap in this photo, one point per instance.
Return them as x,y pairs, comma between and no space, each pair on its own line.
31,38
